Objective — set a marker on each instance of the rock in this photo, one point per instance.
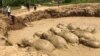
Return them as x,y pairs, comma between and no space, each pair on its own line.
56,40
90,43
42,44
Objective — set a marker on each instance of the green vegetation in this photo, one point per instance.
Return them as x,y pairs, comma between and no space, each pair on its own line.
22,2
85,1
46,2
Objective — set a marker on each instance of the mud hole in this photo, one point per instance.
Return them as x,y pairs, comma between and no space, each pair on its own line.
31,36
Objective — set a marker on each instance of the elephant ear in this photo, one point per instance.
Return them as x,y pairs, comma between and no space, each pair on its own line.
37,35
46,35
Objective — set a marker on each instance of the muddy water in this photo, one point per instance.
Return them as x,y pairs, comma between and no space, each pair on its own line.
44,25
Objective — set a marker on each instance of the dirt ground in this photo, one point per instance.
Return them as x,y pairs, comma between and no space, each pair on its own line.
44,25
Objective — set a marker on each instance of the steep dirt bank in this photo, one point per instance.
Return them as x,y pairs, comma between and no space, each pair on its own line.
24,16
88,10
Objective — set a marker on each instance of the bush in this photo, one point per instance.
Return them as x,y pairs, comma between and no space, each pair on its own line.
20,2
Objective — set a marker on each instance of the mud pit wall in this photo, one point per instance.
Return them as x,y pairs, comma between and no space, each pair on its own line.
62,11
88,10
57,12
